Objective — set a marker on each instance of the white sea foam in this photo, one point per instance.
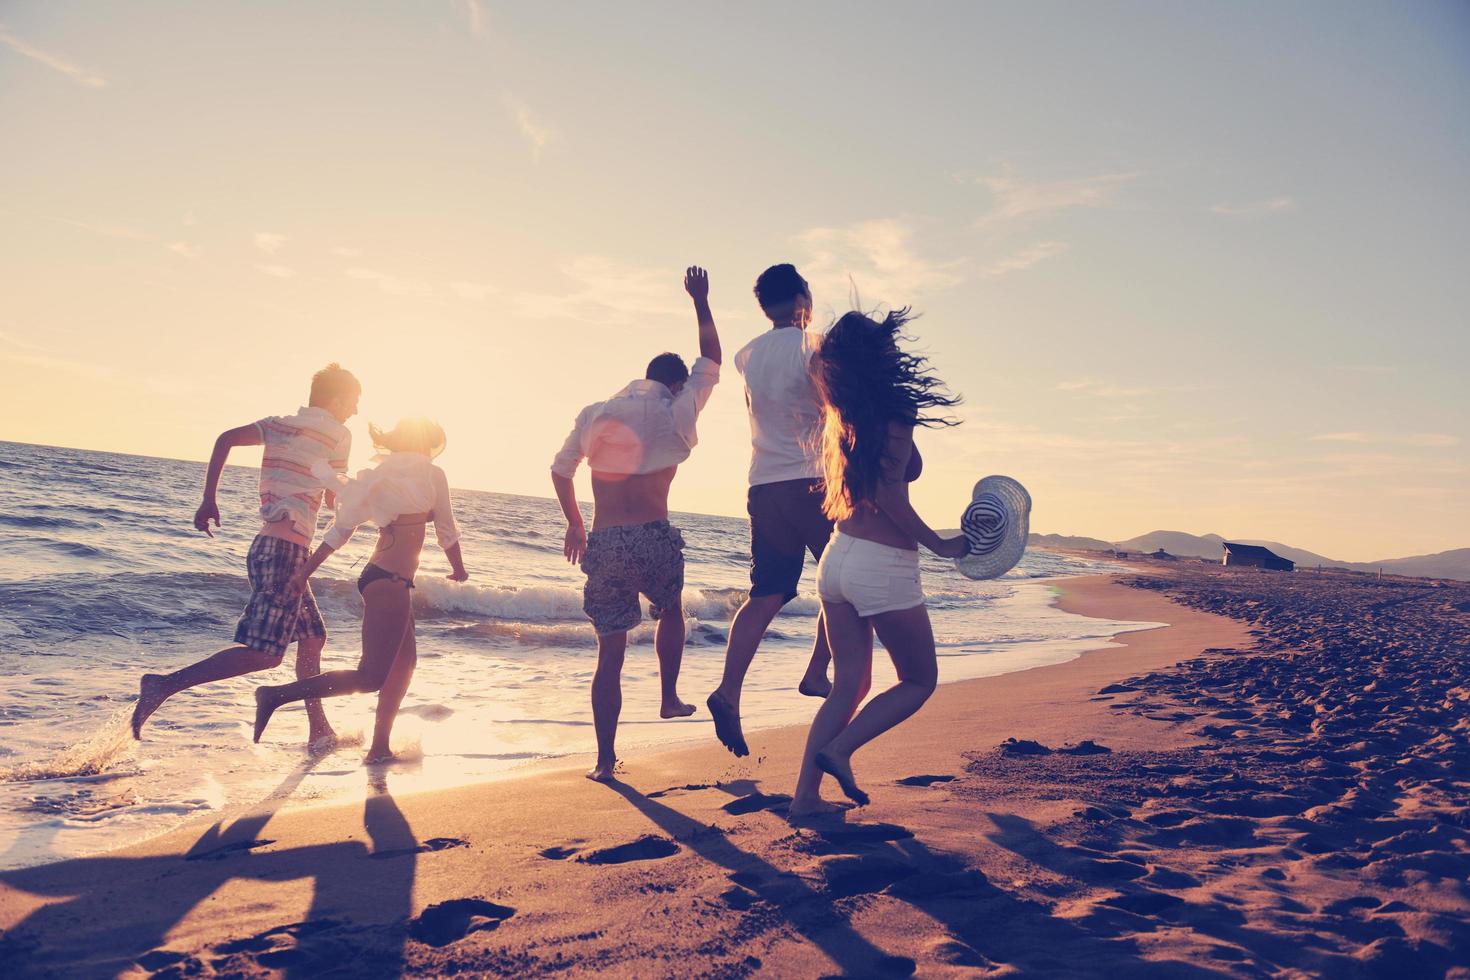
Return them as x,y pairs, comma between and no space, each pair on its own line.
549,604
105,750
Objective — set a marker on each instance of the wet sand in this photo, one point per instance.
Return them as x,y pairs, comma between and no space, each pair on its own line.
1282,802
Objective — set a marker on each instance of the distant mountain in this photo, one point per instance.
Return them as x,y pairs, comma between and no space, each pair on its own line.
1447,564
1304,558
1453,564
1176,543
1069,542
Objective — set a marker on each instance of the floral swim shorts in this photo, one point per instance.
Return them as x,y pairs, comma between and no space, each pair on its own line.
622,562
275,618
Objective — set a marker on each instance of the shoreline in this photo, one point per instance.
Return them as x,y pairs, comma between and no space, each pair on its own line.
573,858
333,781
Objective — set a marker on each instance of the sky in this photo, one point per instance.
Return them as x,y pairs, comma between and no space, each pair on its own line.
1191,266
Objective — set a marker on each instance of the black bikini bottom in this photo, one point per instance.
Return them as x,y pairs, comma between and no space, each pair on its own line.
372,573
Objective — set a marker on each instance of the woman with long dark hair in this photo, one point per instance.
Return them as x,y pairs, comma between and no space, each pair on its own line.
874,394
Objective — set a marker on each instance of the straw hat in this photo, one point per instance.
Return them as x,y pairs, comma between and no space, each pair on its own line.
997,522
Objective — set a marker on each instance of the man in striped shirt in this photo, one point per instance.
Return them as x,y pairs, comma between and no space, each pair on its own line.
290,497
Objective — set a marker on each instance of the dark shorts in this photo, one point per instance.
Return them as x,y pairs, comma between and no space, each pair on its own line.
274,618
786,521
621,563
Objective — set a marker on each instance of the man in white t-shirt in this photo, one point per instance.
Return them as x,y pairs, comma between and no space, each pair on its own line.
785,497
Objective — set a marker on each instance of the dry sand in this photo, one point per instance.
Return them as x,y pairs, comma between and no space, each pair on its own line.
1208,838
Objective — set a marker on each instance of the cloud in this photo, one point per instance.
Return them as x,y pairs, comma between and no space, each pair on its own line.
471,290
344,252
32,355
187,249
269,242
875,257
1015,199
536,134
474,15
1427,440
107,231
1268,206
608,292
79,75
1101,389
278,271
391,284
1025,258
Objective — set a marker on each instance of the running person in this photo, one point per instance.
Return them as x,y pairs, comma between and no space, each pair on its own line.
874,394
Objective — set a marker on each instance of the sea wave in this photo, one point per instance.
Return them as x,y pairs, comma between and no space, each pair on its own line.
107,749
541,604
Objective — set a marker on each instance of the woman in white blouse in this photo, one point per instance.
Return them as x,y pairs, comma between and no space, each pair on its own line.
400,495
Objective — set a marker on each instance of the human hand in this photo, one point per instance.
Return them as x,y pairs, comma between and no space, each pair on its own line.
955,547
297,582
696,283
208,511
575,545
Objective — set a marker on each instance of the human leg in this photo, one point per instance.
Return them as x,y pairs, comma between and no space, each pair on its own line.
850,638
668,641
154,689
909,639
311,637
386,614
607,701
814,683
390,695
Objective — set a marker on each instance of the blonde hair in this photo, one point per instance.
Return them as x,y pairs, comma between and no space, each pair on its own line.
411,435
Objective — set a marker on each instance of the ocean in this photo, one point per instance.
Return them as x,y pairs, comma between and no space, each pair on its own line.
102,577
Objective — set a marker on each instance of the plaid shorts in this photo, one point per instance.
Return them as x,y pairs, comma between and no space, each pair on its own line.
274,619
623,561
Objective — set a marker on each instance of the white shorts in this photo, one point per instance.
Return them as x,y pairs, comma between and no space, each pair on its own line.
874,578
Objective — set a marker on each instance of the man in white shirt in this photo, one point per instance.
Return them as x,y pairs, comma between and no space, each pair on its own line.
785,498
634,443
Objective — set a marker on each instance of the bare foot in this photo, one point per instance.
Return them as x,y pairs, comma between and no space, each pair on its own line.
321,743
727,724
265,704
676,709
840,769
815,688
818,807
377,756
151,694
603,772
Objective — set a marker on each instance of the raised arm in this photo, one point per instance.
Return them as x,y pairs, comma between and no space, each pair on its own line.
696,283
245,435
893,496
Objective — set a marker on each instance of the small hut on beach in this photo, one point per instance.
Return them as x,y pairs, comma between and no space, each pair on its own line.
1254,556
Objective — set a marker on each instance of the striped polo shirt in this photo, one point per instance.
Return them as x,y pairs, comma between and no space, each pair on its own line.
292,444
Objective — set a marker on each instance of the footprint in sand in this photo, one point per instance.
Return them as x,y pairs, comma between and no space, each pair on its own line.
451,921
557,853
924,780
755,802
863,875
279,948
432,844
1085,747
854,838
1023,746
227,850
645,848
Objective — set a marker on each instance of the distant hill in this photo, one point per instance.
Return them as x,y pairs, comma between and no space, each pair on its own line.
1453,564
1069,542
1447,564
1301,556
1176,543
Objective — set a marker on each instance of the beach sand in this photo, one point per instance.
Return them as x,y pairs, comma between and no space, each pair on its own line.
1243,814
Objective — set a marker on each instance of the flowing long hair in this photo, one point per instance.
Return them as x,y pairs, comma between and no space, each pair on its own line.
867,381
415,434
